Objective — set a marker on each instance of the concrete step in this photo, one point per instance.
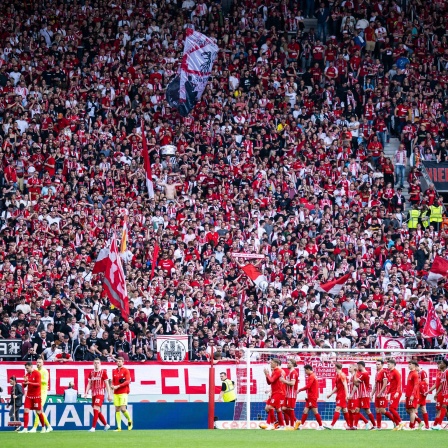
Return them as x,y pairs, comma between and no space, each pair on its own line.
310,23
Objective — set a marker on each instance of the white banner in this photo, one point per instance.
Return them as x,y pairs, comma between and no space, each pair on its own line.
199,54
172,348
386,342
150,378
189,378
247,256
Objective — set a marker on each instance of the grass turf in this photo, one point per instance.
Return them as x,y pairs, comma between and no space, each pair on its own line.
224,439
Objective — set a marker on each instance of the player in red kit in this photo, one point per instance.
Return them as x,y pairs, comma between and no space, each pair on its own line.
33,400
441,394
394,393
341,391
291,381
423,391
277,399
353,397
362,386
312,394
438,397
98,384
380,393
412,392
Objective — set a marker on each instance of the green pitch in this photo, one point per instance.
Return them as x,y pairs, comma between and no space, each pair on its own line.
225,439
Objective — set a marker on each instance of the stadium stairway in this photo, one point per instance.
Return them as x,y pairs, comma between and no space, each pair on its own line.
310,23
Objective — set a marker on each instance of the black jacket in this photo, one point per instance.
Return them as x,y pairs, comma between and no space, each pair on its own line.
18,392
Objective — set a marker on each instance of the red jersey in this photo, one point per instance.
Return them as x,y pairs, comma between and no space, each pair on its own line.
33,390
438,382
341,378
412,385
444,382
394,382
277,387
354,393
363,380
98,382
422,377
291,391
312,387
379,379
122,378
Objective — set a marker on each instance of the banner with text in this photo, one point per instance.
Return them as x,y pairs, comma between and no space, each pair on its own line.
190,380
70,417
248,256
438,173
10,349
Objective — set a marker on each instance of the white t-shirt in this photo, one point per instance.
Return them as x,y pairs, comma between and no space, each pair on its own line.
25,308
353,126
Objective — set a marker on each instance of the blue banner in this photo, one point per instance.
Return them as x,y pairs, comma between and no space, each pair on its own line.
145,415
163,415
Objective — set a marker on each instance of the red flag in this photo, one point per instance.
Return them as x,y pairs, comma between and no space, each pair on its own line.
256,276
114,281
433,327
154,259
243,299
335,285
147,164
438,271
309,336
100,263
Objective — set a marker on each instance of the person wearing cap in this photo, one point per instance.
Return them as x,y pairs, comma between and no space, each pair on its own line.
122,346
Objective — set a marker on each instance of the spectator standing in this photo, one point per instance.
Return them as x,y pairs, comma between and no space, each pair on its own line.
15,401
400,165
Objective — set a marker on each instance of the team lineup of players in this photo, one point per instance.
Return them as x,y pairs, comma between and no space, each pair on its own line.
36,387
355,394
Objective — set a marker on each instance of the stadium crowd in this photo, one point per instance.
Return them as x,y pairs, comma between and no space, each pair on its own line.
282,156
